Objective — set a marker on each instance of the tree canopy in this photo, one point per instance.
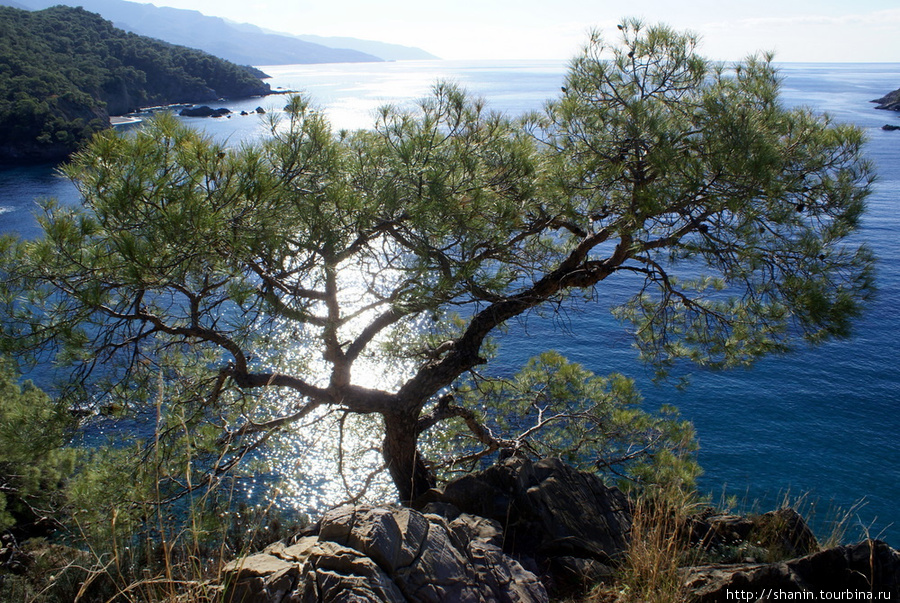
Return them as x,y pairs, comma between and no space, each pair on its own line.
297,265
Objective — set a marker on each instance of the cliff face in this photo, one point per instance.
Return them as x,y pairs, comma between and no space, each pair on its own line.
66,70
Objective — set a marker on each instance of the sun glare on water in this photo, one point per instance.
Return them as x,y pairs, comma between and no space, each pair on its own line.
334,456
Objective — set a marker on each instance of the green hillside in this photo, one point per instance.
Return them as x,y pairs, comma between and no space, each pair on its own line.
64,71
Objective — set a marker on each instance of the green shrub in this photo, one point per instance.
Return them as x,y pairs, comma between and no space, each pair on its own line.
35,460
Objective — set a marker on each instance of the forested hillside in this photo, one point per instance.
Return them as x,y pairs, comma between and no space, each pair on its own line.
64,70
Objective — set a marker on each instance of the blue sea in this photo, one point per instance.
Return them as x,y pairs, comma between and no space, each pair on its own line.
821,424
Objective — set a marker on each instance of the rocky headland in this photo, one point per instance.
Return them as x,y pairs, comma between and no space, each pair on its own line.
889,102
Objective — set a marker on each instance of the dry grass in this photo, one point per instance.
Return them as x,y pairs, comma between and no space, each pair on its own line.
660,545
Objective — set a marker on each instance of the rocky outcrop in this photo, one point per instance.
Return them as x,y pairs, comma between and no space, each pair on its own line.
890,101
566,524
782,534
546,508
470,541
204,111
377,554
525,530
869,567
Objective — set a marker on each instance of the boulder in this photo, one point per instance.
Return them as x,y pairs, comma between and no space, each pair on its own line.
711,530
546,508
853,571
338,573
564,524
386,554
262,578
782,534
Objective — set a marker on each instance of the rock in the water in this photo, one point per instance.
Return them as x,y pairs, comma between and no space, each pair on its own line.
890,128
204,111
378,554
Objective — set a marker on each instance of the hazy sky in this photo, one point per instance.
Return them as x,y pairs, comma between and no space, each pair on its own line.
797,30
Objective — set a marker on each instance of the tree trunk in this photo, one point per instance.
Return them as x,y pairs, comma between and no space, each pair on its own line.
401,454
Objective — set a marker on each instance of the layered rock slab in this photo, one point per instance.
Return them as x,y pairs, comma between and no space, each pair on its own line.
386,554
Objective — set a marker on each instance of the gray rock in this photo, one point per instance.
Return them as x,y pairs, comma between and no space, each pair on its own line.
338,573
396,555
261,578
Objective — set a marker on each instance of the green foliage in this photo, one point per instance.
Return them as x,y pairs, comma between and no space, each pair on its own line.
554,408
34,460
365,272
701,170
64,70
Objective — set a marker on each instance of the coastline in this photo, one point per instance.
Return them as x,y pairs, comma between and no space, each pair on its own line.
136,116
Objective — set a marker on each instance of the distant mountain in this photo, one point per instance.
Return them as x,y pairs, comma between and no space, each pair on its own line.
240,43
65,71
388,52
